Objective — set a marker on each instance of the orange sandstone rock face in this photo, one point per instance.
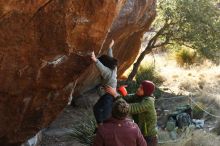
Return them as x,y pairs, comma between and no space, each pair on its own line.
44,48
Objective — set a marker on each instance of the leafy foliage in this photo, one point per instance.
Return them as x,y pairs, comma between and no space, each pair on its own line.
193,23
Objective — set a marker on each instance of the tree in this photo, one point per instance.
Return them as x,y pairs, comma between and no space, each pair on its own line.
191,23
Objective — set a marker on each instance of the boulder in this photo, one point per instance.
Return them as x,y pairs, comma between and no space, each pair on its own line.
44,48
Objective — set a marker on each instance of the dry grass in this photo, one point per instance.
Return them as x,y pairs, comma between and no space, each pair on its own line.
203,80
195,138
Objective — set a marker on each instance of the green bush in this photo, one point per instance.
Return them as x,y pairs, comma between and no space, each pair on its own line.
185,56
83,130
148,72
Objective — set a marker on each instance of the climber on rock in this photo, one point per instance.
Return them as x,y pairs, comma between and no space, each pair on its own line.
107,66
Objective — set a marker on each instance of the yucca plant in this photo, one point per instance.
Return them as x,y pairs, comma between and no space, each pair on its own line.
148,72
83,130
185,57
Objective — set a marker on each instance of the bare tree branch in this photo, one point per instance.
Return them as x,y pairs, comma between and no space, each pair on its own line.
147,50
161,44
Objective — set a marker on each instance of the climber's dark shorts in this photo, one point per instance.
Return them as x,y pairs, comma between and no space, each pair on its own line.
103,108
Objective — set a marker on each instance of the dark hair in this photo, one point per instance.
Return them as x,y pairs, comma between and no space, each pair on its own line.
108,61
120,109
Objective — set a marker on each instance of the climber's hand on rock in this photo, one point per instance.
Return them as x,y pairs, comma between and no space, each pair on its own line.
112,43
93,57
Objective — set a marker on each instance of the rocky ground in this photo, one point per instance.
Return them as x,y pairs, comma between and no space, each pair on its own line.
57,134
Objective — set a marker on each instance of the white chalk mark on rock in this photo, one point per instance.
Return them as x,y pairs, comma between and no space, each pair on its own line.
80,20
